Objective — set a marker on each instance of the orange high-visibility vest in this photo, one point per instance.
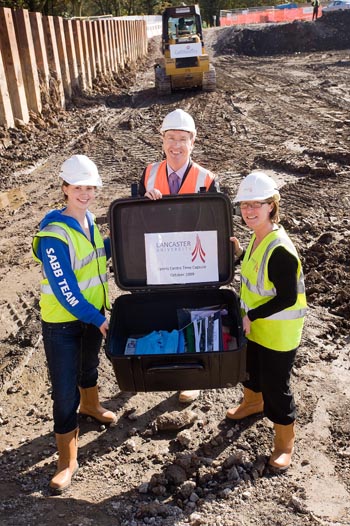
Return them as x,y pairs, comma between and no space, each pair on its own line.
197,177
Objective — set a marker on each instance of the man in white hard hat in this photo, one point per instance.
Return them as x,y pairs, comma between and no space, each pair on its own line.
177,174
74,295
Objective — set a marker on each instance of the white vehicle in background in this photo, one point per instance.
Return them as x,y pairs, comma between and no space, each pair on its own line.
336,5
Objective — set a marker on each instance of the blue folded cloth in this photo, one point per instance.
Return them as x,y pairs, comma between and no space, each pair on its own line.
158,342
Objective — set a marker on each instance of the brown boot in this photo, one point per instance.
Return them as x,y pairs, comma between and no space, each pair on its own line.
186,397
251,404
67,465
281,456
90,405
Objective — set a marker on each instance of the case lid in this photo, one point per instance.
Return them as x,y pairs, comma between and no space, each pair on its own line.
196,227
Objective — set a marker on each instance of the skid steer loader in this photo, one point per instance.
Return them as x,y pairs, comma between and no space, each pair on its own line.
185,63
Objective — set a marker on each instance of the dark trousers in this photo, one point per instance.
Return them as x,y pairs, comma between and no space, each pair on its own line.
72,356
315,12
269,373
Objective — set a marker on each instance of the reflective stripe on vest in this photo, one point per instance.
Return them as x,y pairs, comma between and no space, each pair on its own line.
282,315
280,331
76,263
259,287
83,285
196,178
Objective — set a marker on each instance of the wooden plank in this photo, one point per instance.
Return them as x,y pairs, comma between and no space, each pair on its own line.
78,44
97,47
112,52
113,47
36,23
134,40
53,57
12,65
63,56
102,46
117,43
122,42
6,115
86,55
106,46
71,55
127,41
28,60
111,42
91,48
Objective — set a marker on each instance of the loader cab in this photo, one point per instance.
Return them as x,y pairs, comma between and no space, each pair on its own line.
181,25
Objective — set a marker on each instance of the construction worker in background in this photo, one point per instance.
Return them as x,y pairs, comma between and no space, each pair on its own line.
273,306
183,28
177,174
315,4
74,294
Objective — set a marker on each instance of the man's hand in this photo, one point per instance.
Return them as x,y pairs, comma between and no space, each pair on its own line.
154,194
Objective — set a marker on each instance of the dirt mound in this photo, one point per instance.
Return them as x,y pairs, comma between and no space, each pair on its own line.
331,31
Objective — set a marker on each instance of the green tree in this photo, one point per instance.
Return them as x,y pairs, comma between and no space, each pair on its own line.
210,10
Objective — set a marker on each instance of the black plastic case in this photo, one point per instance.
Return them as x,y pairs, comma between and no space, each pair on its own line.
154,307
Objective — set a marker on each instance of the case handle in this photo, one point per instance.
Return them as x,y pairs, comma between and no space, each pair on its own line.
175,367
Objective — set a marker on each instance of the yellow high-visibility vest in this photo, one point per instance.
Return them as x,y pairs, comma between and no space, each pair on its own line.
89,266
282,330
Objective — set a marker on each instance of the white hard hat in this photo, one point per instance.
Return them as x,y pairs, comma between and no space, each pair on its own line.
79,170
178,120
256,186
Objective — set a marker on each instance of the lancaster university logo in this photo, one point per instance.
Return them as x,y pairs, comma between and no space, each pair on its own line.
198,250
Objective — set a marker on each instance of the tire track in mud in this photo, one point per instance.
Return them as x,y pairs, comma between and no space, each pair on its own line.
274,97
18,334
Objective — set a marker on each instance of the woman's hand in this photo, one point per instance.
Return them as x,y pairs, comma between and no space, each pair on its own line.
154,194
104,328
238,249
246,324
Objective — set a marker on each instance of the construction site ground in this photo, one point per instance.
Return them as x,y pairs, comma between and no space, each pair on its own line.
284,109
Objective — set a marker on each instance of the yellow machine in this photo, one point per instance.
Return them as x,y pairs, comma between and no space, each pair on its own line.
185,63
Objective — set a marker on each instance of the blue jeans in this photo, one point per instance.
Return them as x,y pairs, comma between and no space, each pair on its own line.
71,350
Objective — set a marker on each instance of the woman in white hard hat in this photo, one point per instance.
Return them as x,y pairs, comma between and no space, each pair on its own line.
273,306
177,174
74,295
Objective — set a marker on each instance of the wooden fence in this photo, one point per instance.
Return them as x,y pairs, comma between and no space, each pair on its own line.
38,52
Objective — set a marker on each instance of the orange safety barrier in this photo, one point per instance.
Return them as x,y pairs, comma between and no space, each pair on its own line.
268,16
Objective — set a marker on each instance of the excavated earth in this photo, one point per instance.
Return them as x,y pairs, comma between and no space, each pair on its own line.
282,104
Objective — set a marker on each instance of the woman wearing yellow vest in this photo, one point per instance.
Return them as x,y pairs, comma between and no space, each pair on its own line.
273,306
74,294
